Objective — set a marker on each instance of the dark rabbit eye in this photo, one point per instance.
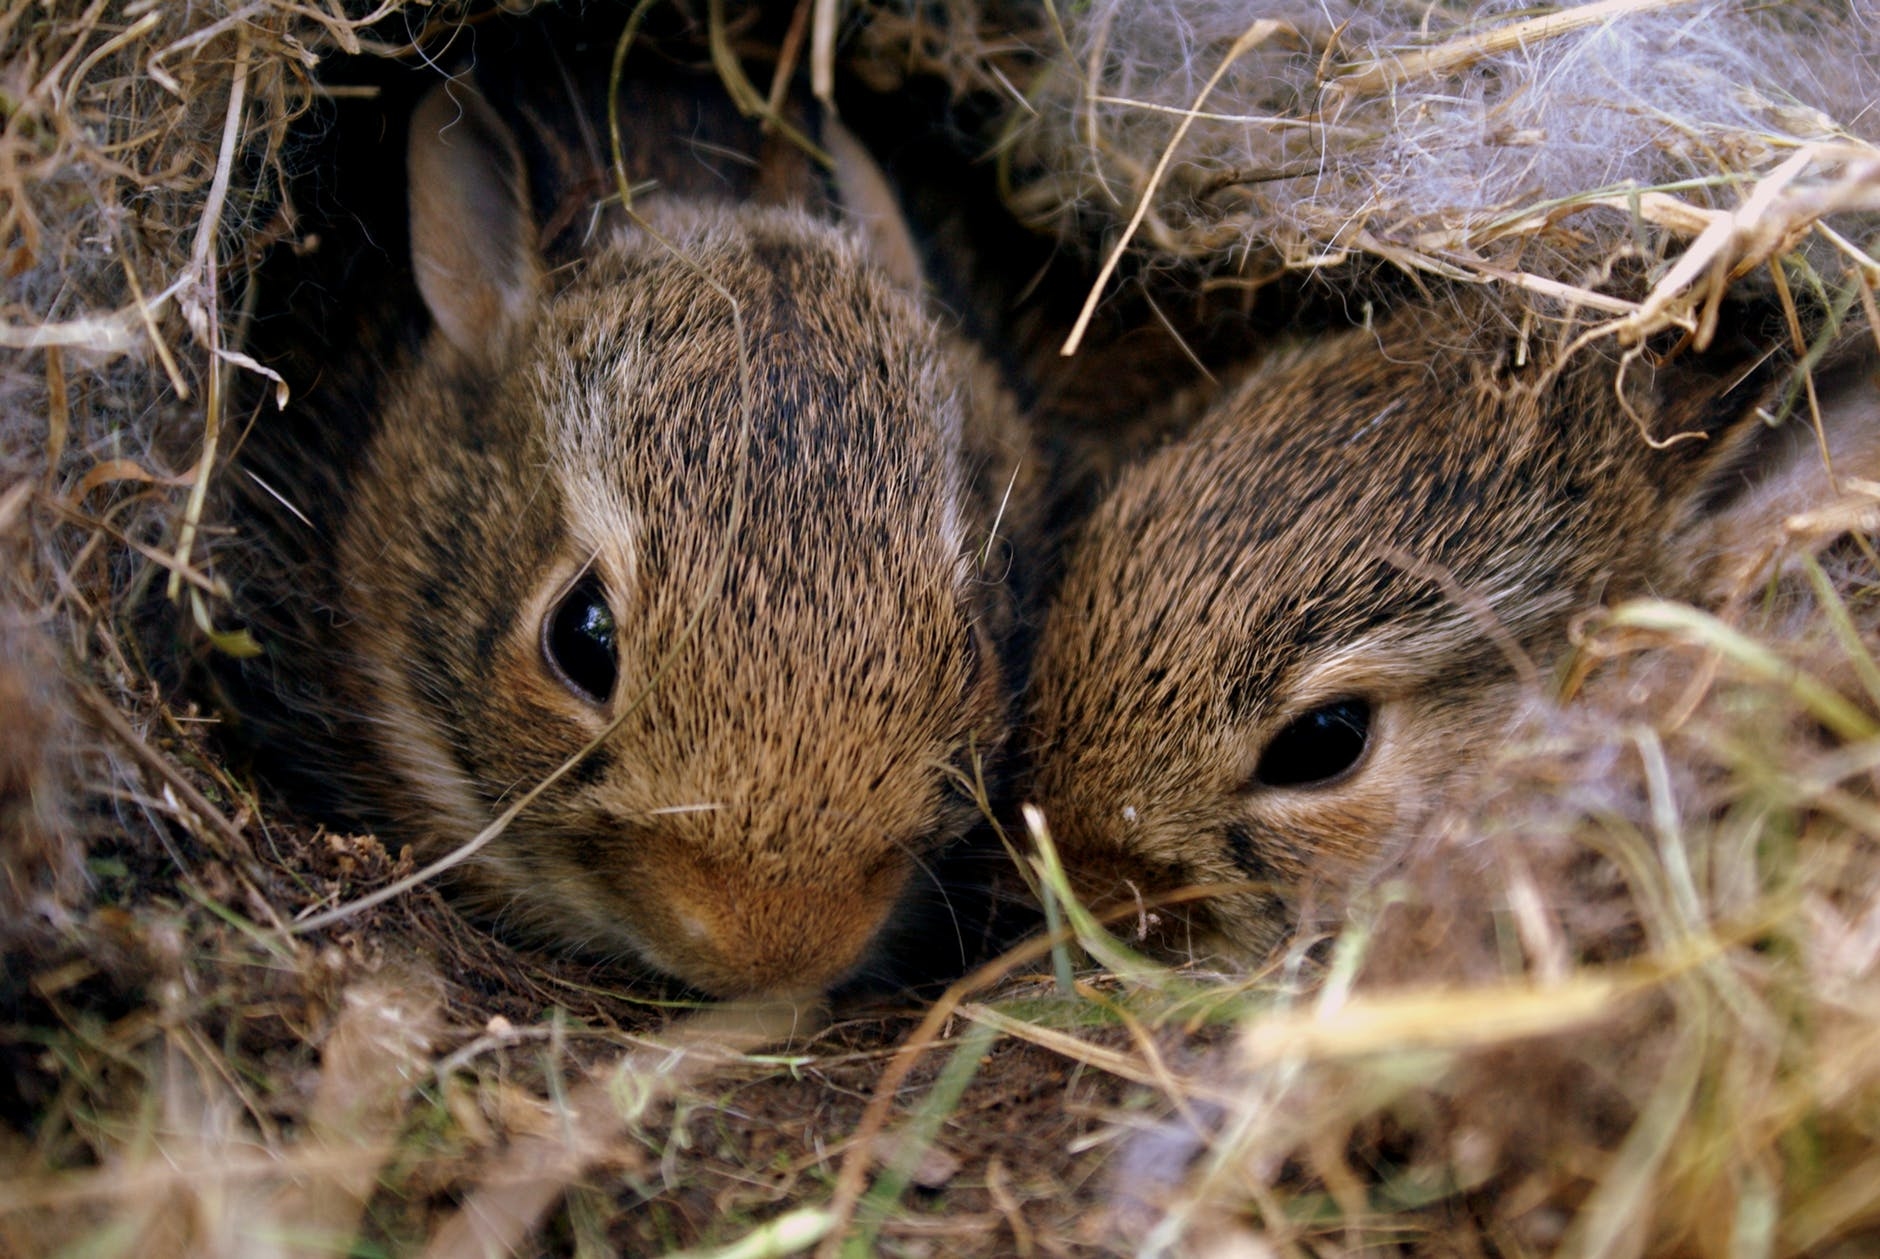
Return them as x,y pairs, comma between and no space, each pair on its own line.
1316,746
578,639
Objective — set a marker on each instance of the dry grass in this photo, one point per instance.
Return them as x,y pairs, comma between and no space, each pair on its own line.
1569,156
1626,1001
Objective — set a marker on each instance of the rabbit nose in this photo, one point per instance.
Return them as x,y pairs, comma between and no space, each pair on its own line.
785,939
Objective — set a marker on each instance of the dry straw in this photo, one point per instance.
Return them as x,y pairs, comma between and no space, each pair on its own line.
1569,155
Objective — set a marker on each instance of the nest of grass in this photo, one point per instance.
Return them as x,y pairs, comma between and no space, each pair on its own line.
1628,1001
1621,161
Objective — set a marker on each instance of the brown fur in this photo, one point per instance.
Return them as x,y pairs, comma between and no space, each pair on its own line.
39,861
1389,516
754,822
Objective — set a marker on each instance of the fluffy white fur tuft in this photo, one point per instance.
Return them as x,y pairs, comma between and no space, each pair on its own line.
1418,129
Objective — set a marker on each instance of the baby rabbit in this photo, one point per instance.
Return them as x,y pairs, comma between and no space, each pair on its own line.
1282,639
721,491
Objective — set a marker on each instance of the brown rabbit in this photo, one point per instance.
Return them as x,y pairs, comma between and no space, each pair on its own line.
1284,638
765,562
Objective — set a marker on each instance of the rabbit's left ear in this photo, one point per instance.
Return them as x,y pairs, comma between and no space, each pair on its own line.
870,201
1757,477
473,240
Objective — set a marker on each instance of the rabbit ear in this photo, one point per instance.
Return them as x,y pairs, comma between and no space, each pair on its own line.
872,204
473,241
1757,478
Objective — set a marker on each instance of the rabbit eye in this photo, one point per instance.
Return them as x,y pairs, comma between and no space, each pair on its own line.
1317,746
578,640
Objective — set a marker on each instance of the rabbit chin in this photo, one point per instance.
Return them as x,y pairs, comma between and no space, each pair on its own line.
722,935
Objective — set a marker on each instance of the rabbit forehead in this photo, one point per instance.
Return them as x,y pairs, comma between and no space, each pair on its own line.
823,397
1260,608
1349,522
1350,493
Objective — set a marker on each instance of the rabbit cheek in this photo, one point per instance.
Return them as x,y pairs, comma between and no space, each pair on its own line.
1299,838
1104,877
539,686
1196,884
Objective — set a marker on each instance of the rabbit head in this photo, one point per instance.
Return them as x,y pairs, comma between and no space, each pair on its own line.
1282,639
719,501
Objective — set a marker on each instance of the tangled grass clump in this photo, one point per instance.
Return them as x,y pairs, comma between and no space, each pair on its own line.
1567,156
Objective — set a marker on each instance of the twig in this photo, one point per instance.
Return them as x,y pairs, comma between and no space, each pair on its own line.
224,839
822,51
201,303
1380,75
1251,38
